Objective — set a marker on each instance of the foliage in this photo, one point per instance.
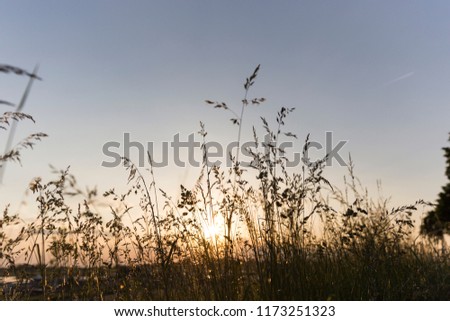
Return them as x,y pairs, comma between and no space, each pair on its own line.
437,221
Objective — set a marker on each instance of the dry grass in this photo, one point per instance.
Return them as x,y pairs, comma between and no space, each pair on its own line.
284,236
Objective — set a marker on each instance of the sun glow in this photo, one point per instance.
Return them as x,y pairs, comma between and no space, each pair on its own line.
214,229
211,231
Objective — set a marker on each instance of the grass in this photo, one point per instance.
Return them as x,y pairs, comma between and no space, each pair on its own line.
260,233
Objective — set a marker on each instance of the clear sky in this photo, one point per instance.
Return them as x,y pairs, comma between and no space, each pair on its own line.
375,73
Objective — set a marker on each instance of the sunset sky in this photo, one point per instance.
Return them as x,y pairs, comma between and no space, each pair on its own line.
375,73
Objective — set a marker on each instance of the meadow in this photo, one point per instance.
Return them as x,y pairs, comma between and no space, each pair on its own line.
260,232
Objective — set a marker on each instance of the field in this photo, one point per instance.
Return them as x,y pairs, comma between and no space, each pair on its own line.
261,232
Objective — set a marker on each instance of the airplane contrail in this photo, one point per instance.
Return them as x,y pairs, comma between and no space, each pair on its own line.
393,81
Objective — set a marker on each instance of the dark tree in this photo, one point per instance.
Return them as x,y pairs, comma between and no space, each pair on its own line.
437,222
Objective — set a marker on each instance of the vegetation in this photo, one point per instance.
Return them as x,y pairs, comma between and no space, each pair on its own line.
9,120
437,222
265,232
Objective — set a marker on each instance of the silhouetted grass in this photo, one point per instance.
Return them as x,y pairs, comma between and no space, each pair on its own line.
279,235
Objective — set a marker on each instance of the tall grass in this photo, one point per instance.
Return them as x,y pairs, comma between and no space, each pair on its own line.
267,232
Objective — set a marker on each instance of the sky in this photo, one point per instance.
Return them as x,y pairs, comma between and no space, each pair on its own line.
374,73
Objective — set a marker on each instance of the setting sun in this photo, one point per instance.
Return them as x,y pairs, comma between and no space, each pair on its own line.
211,231
214,229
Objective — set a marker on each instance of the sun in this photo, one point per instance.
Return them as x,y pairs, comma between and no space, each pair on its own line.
213,230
